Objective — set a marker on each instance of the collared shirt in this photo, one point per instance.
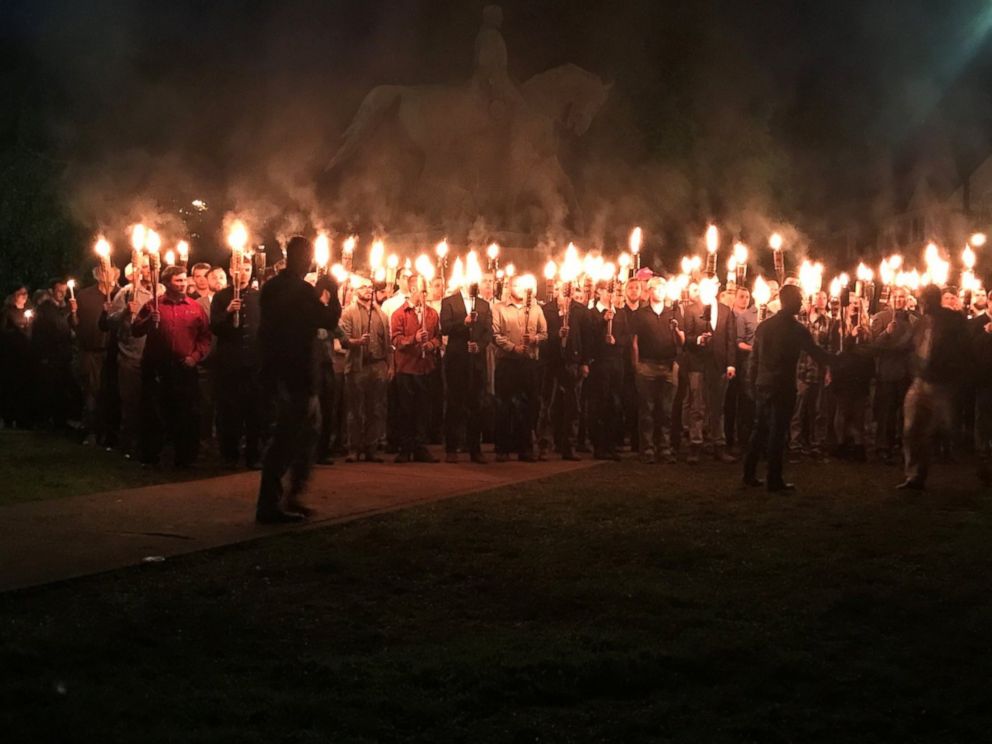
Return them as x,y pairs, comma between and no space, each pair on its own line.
356,321
747,323
511,321
183,330
129,346
392,304
412,357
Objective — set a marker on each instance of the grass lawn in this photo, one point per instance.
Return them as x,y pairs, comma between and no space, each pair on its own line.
40,465
623,603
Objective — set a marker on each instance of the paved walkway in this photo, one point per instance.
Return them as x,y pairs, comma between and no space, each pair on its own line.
47,541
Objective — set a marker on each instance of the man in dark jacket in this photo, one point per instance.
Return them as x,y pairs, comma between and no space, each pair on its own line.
610,340
772,373
235,369
941,348
467,321
565,363
892,332
711,356
291,313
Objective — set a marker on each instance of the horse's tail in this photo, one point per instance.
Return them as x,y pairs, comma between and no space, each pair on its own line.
379,102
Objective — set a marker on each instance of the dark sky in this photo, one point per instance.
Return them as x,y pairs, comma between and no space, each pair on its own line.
816,113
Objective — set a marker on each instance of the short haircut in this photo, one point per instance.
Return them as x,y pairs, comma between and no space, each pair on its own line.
201,266
170,271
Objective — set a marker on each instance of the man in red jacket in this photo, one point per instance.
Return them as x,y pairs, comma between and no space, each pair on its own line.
416,334
179,338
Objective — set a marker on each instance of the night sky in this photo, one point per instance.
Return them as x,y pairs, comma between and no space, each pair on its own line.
817,114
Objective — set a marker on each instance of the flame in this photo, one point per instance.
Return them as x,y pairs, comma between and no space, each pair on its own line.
732,264
237,235
864,274
425,267
635,240
71,284
492,251
550,269
686,265
473,270
909,279
673,291
762,292
457,274
441,249
379,275
526,282
712,239
623,261
708,289
152,241
170,257
931,254
740,253
102,247
895,261
182,248
376,253
339,273
571,265
968,258
348,247
969,283
322,250
977,239
810,277
393,261
775,241
835,286
138,236
696,263
607,272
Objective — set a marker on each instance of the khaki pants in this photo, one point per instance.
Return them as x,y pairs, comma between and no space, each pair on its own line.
366,389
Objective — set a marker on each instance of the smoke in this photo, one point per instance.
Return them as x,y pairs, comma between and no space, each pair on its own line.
754,116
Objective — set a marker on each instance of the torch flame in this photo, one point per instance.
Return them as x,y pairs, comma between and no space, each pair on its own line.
686,265
810,277
550,269
835,286
102,247
473,270
441,249
712,238
635,240
425,267
182,247
864,274
623,261
348,247
607,272
740,252
393,261
138,236
511,269
237,235
322,250
152,241
708,288
775,241
762,292
968,258
492,251
170,257
376,253
977,240
457,274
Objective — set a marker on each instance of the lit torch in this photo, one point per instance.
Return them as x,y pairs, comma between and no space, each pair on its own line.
237,239
137,247
182,248
492,253
634,244
550,271
152,243
392,264
762,294
712,243
348,252
778,258
322,253
102,249
740,253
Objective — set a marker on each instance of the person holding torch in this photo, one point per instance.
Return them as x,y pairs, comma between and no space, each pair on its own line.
415,331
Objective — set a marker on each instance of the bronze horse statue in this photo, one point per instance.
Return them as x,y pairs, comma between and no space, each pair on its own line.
477,156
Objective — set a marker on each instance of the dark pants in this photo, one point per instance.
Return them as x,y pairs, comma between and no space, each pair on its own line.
630,423
414,404
889,396
297,418
465,379
169,409
983,421
435,421
516,393
773,411
928,411
238,406
560,408
655,396
326,393
606,389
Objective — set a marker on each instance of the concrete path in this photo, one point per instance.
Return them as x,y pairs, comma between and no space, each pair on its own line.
47,541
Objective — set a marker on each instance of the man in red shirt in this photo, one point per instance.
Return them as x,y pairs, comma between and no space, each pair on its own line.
179,338
416,334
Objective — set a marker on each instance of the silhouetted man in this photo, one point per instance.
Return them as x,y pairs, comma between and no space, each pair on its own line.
291,313
772,372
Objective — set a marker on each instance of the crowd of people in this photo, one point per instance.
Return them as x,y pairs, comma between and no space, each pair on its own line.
286,371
